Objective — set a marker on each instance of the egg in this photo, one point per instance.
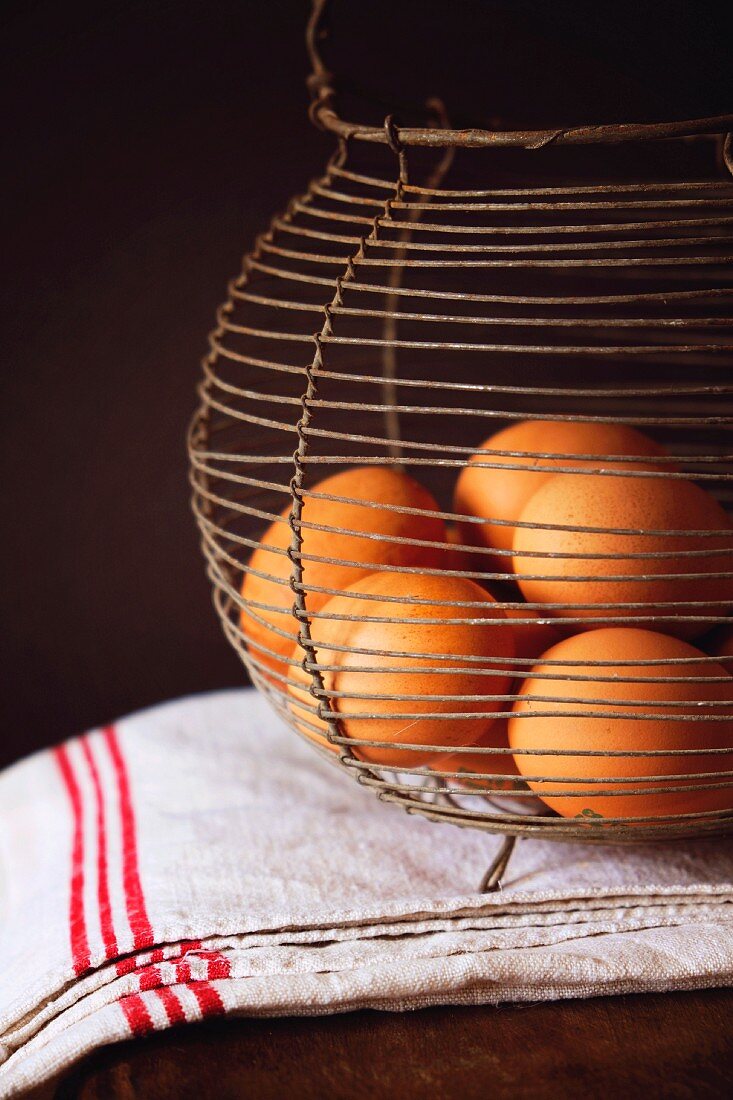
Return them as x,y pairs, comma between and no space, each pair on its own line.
266,619
501,494
486,763
587,704
426,660
599,567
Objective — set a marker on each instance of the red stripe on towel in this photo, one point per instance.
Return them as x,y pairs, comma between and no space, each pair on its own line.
136,1013
128,963
150,978
218,964
182,948
209,1000
188,945
140,926
171,1004
80,956
183,972
103,899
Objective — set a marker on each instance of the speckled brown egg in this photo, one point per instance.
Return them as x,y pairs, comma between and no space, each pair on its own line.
389,678
604,567
500,493
335,559
601,696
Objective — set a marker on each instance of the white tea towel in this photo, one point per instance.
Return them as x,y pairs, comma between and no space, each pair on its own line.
199,858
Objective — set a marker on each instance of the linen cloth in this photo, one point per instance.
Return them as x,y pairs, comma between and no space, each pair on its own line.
199,858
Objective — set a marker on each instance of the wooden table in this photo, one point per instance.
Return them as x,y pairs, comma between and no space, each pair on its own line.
658,1045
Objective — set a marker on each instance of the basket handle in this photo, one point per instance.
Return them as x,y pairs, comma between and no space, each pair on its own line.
323,114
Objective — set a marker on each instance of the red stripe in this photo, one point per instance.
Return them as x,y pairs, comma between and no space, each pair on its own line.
219,965
140,926
188,945
209,1000
105,907
80,955
219,968
172,1005
177,951
137,1015
133,962
126,965
150,978
183,972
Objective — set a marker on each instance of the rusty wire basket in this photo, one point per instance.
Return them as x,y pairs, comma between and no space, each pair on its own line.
430,288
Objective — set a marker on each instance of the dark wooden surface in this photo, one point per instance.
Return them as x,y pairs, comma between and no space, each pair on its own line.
673,1045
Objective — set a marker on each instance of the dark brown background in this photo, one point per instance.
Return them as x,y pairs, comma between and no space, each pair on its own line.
147,142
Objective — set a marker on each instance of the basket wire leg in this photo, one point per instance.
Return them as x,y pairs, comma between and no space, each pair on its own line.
492,879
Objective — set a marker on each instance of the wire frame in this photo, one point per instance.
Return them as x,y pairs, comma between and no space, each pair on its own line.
418,296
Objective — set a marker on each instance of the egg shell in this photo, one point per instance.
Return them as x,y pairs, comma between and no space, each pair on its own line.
638,504
484,763
407,648
587,726
270,634
503,493
529,640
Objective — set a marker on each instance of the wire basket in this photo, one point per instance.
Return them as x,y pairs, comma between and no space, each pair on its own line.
430,288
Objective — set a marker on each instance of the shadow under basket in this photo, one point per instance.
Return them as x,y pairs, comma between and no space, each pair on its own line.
430,288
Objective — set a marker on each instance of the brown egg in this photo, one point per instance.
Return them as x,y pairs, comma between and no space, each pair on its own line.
483,763
603,712
501,494
637,504
427,660
270,634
